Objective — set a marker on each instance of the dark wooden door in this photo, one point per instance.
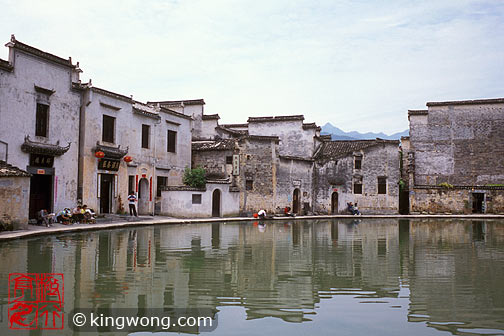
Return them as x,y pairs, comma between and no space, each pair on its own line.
334,203
40,194
295,201
216,203
106,192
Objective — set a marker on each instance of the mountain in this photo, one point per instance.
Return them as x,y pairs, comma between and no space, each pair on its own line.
338,134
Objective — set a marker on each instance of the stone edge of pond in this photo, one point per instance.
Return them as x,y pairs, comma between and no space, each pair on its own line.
42,231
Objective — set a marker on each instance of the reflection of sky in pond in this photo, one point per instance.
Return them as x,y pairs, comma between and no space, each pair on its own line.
380,277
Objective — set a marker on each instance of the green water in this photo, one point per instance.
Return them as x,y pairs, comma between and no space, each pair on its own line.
324,277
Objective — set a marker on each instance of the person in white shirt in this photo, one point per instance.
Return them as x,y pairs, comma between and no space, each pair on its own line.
132,206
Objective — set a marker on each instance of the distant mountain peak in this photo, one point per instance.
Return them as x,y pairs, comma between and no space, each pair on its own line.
338,134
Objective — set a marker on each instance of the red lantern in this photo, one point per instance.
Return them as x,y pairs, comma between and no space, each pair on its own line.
128,159
99,154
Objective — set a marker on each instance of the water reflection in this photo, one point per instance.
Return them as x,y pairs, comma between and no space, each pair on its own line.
427,276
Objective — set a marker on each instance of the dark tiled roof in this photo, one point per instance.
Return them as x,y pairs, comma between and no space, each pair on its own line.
213,145
235,125
417,112
263,137
295,158
112,94
33,147
311,125
341,148
5,65
179,102
6,170
210,117
277,118
182,188
111,152
468,102
232,131
146,113
37,52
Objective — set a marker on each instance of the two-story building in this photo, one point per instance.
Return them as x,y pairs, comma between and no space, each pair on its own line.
456,157
39,123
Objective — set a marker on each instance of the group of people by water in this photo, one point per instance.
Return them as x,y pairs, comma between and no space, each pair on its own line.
80,214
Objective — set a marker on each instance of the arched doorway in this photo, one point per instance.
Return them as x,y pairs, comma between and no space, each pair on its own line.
143,196
334,203
216,198
295,201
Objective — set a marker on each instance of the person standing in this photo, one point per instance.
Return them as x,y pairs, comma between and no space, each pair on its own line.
132,207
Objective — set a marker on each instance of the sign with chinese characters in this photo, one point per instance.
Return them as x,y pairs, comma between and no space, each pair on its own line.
107,164
39,160
36,301
236,164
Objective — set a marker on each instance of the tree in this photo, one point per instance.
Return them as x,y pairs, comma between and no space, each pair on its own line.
194,177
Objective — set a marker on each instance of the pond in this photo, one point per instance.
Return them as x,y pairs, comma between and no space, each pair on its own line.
297,277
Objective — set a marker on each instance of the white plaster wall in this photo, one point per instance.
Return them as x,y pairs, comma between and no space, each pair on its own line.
18,101
179,203
294,140
151,162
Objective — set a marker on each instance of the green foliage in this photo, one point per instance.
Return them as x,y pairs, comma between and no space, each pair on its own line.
194,177
495,185
446,185
402,184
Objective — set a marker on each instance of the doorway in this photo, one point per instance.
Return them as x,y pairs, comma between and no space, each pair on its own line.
295,201
106,183
41,187
216,196
478,202
334,203
143,196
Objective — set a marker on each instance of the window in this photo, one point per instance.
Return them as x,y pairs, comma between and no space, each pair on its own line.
229,160
108,129
145,136
196,199
249,184
42,120
131,183
162,181
382,185
358,162
172,141
357,185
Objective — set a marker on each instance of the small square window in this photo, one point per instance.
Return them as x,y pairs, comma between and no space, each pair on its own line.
145,136
196,199
42,120
172,141
249,184
382,185
229,160
108,128
358,162
357,187
162,181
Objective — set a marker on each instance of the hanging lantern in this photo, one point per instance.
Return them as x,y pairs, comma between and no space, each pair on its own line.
128,159
99,154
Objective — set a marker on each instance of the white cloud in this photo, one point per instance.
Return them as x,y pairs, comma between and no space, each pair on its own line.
357,64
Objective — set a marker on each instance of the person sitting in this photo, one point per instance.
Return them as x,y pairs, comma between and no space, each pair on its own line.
353,209
287,212
43,217
63,216
261,214
88,215
77,215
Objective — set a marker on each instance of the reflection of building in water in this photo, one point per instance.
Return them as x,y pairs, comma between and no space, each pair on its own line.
456,273
453,269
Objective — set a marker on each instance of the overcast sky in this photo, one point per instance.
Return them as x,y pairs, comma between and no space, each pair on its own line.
359,65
